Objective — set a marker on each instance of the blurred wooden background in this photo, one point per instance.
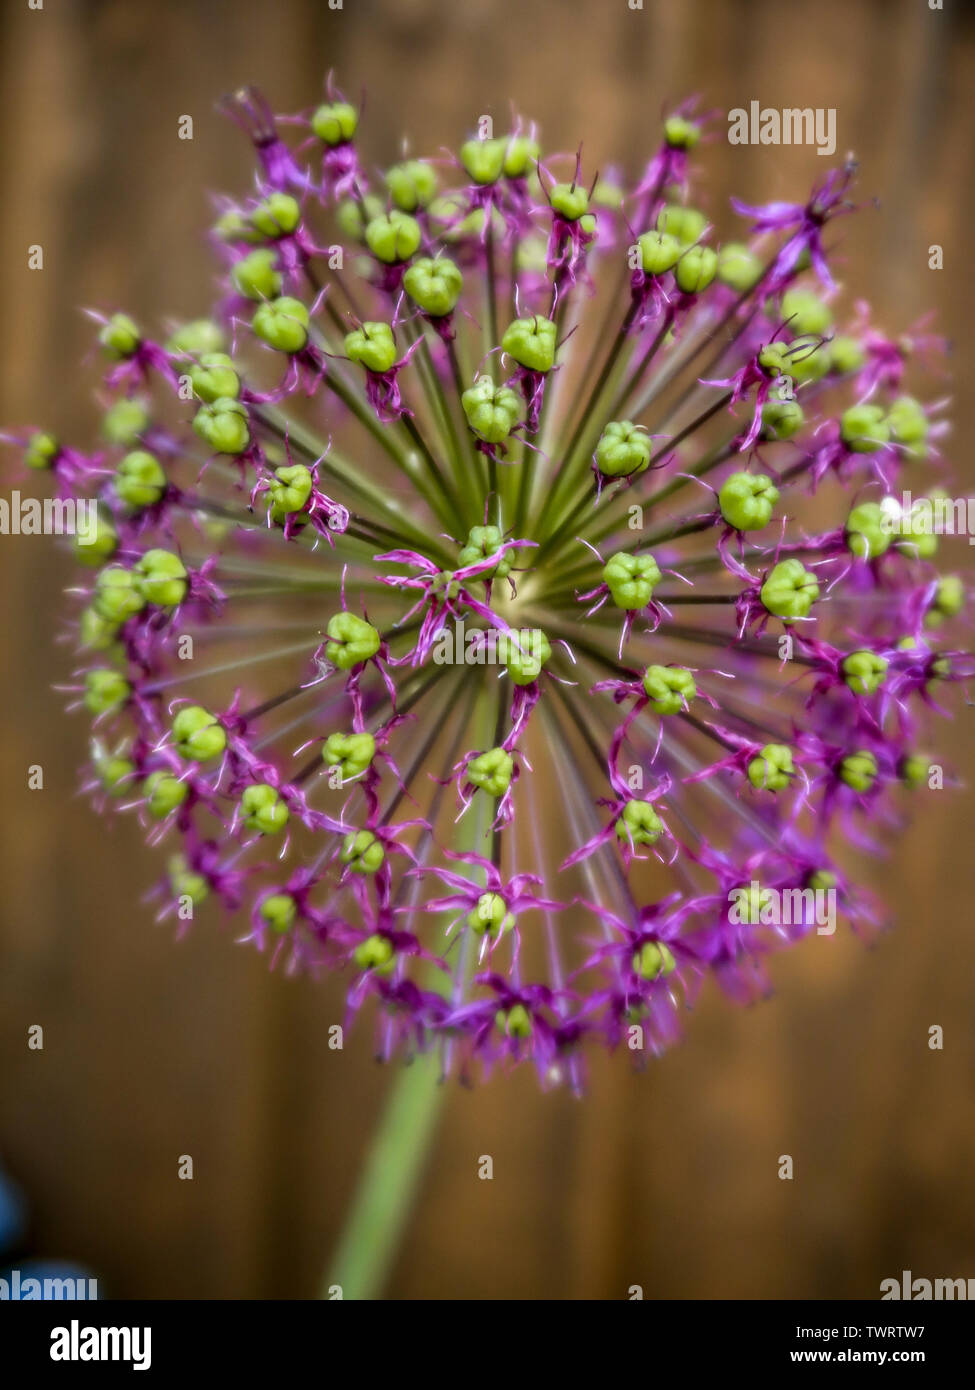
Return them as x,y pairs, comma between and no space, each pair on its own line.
153,1050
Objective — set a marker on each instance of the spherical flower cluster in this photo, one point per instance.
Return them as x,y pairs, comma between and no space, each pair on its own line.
500,586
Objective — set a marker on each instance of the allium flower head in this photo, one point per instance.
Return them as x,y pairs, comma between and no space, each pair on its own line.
498,595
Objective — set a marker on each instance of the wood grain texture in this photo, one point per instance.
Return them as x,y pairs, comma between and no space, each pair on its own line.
665,1179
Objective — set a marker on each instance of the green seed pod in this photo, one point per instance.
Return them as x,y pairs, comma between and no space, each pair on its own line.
42,449
806,361
531,342
197,734
859,771
278,215
686,224
755,899
262,809
659,252
491,771
195,339
98,634
352,754
805,313
349,215
434,285
235,225
412,184
669,689
867,531
916,533
525,662
909,424
164,793
864,671
653,960
105,690
631,579
914,769
738,267
864,429
185,882
335,123
680,133
223,425
104,544
846,355
214,377
118,596
623,449
639,824
393,237
120,336
948,601
279,911
782,419
123,422
114,771
372,345
375,953
772,768
483,160
570,201
520,155
290,490
362,853
492,411
821,881
696,269
351,640
790,590
483,541
514,1022
140,480
255,276
491,916
162,578
746,501
282,324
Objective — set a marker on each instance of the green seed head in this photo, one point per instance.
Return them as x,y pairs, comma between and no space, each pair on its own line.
362,853
846,355
434,285
42,449
105,690
97,633
909,424
864,671
349,216
531,342
520,154
623,449
375,953
335,122
821,880
483,541
483,160
104,543
278,215
631,579
118,595
412,184
125,421
914,769
790,590
491,771
279,911
696,269
290,490
490,917
223,425
738,268
653,960
195,339
139,480
114,771
350,753
686,224
756,898
868,534
948,601
680,133
164,793
282,324
859,770
782,419
162,578
255,275
514,1022
525,658
805,313
639,824
746,501
864,428
197,734
120,336
372,345
393,237
351,640
262,809
214,376
570,201
186,882
669,689
492,411
659,252
916,532
772,768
